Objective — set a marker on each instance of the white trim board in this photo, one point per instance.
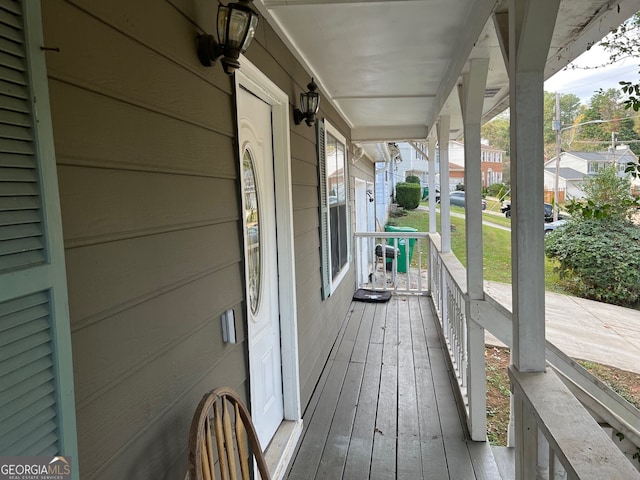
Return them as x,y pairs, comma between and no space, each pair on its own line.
256,82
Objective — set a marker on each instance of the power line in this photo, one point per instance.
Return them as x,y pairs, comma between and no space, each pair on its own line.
608,142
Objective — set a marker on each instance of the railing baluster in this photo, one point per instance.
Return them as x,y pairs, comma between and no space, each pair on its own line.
535,457
545,456
390,246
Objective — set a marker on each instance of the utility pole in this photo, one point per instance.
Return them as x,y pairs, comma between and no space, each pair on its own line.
556,127
613,149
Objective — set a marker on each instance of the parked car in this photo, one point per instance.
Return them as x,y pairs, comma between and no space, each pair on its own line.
551,226
458,198
548,211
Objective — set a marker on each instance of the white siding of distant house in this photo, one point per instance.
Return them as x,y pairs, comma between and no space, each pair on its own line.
382,196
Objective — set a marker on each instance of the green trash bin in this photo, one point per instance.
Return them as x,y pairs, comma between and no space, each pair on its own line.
402,247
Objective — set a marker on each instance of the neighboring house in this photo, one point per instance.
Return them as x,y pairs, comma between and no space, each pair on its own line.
491,163
413,162
576,167
456,174
383,193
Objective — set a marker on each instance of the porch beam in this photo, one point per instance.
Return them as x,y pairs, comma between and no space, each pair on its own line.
501,25
531,24
294,3
471,94
445,209
390,134
469,34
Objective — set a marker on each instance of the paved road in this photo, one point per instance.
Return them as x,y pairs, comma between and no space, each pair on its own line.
422,208
585,329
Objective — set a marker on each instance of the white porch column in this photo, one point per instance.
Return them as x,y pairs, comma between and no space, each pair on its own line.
531,24
445,210
431,142
471,94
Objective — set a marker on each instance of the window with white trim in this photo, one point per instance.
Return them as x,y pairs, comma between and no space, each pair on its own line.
334,206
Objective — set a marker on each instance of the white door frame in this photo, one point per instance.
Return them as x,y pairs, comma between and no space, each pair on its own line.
364,264
256,82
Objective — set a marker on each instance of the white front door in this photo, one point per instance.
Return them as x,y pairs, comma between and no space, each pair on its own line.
261,254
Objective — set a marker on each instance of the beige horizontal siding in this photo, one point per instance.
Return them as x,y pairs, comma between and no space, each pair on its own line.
153,328
128,70
113,138
147,167
106,204
134,269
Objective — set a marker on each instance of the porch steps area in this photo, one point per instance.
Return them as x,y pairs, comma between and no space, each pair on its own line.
505,458
384,407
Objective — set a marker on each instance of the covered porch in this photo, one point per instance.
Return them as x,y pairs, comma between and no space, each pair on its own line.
385,406
403,392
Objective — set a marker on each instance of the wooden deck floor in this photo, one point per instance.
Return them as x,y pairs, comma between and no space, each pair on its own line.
384,407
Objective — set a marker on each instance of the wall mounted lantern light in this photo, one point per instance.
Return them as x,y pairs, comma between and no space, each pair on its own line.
236,27
309,104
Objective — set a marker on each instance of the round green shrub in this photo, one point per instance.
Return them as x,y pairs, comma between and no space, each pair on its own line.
599,259
408,195
412,179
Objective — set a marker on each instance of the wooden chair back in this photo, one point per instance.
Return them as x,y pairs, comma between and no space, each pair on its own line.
222,418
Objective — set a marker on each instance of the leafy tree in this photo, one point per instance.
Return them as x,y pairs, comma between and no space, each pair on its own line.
570,108
599,249
497,132
606,106
627,133
621,43
607,196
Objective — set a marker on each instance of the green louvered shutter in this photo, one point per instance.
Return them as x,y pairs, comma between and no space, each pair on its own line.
37,412
323,202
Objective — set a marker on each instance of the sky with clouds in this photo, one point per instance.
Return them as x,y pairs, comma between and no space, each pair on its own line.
584,83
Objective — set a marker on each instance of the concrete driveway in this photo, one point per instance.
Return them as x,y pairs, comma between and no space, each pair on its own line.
585,329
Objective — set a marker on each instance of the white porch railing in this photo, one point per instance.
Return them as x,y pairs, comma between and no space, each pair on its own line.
618,418
568,423
392,261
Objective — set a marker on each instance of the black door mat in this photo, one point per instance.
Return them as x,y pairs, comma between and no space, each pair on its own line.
364,295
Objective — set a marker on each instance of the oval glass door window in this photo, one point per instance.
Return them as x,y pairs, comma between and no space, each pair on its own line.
252,222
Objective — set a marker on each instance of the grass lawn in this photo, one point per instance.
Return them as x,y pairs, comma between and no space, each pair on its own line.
626,384
496,245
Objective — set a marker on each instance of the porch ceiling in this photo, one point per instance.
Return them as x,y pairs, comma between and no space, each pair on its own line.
391,67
